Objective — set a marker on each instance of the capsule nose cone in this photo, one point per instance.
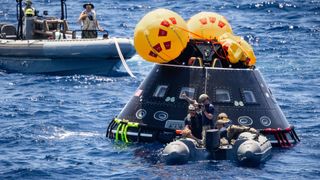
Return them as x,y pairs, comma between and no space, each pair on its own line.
176,153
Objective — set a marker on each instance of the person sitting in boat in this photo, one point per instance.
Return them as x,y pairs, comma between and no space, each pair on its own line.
234,131
193,124
223,122
206,109
89,22
230,132
28,10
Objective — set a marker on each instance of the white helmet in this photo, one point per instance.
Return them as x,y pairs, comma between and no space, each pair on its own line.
203,97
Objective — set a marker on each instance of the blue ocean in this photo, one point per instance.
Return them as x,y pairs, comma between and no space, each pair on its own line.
53,127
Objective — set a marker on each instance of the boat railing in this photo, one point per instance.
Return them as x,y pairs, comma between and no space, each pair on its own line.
47,27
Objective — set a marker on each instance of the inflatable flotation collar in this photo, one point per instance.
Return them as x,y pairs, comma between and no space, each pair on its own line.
238,49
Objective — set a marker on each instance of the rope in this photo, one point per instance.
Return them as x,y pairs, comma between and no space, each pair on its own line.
224,56
122,58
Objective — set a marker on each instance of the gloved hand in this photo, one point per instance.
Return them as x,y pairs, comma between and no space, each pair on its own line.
186,132
253,131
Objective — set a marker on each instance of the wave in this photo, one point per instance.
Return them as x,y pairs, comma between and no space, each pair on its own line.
57,133
25,173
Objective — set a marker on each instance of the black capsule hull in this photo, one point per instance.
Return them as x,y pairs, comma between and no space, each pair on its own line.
162,113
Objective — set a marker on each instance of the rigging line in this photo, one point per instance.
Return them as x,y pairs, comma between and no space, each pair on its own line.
122,59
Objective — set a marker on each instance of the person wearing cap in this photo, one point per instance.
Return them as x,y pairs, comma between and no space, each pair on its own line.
223,122
228,131
193,124
89,22
206,109
28,10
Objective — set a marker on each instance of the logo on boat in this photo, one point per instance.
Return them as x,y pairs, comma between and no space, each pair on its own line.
161,116
141,113
245,120
265,120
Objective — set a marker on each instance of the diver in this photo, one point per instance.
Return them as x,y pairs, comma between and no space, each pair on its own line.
206,109
89,22
193,125
28,10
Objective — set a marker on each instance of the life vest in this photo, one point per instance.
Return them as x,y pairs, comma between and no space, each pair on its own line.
89,23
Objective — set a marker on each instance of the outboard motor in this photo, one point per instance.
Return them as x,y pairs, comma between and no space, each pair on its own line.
212,139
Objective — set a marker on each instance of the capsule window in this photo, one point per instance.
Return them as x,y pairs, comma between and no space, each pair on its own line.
223,95
160,91
249,97
188,91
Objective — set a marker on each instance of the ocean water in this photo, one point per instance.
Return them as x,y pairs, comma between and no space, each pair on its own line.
53,127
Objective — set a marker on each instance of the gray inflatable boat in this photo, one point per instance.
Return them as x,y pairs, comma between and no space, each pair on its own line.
43,44
248,150
65,57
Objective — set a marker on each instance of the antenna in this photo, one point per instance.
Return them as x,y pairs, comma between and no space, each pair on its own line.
20,14
64,14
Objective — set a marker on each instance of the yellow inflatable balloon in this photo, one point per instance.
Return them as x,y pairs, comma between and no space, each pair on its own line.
234,50
249,57
160,36
208,26
238,49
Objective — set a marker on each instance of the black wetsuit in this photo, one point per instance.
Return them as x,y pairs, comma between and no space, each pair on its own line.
195,125
223,133
205,121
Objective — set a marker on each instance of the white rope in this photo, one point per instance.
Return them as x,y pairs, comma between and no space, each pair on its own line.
122,58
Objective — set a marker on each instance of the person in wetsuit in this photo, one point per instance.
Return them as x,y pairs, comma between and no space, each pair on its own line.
193,124
206,109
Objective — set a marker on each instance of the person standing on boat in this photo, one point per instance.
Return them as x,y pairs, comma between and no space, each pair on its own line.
193,124
89,22
29,14
206,109
28,10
